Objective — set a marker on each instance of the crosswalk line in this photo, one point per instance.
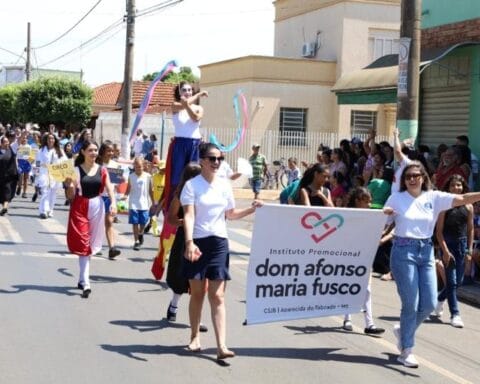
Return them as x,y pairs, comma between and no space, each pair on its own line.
8,233
237,247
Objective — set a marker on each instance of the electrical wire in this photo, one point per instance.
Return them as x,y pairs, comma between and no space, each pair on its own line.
11,52
71,28
89,41
158,7
147,11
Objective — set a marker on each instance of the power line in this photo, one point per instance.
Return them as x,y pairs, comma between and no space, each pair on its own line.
71,28
91,40
11,52
147,11
157,7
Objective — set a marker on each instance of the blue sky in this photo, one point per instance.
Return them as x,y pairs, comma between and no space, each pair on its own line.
194,32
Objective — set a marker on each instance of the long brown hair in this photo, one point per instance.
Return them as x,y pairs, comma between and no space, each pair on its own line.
426,183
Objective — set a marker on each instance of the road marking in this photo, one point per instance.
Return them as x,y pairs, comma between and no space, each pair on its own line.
243,232
235,246
8,233
55,230
238,262
423,362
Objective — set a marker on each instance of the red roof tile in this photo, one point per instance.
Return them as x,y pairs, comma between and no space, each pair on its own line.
111,94
106,94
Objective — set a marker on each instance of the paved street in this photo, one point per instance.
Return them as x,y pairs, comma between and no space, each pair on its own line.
49,334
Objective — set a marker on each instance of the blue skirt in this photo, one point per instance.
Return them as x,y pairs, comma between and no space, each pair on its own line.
213,263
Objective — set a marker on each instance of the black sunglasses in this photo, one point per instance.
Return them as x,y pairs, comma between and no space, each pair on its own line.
213,159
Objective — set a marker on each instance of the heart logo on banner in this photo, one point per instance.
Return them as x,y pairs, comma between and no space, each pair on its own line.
328,225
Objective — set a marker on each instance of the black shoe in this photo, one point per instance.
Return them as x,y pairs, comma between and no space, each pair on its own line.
203,328
3,211
171,316
136,246
24,195
18,191
80,286
113,252
43,216
140,239
373,330
34,197
67,202
86,293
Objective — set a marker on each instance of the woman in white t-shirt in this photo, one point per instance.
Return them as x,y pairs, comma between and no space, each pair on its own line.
415,209
207,202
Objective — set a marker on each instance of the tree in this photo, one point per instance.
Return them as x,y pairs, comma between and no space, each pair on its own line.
8,103
185,74
55,100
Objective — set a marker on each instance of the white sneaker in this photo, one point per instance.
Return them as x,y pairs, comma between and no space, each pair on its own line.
396,332
438,311
456,321
408,359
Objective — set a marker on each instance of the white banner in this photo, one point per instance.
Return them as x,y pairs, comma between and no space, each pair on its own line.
310,261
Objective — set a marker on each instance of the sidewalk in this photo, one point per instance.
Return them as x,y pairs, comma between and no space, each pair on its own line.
265,194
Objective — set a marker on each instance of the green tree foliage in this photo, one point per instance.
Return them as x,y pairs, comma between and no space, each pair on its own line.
55,99
185,74
8,103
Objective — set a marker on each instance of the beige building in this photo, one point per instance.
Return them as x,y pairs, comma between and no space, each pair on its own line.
316,43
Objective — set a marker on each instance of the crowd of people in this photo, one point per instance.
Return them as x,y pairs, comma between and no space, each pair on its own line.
433,219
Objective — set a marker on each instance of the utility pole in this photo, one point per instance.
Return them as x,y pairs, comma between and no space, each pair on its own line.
28,65
409,67
127,79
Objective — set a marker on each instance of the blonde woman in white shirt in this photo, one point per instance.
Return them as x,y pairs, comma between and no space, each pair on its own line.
415,209
207,202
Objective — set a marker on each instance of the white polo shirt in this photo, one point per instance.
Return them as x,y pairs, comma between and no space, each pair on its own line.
416,217
210,202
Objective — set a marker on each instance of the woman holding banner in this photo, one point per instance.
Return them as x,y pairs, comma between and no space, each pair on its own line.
87,210
49,153
207,201
414,210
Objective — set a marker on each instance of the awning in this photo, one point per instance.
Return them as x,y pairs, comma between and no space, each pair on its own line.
377,83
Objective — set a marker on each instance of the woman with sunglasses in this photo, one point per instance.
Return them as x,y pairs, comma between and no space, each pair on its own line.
414,210
207,201
183,149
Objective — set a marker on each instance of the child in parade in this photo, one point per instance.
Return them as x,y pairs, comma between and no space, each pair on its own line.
24,165
87,210
360,198
104,158
175,279
455,235
140,196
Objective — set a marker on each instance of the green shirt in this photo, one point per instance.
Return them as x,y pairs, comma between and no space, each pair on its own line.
380,190
258,163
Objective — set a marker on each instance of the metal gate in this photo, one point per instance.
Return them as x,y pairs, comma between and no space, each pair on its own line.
444,114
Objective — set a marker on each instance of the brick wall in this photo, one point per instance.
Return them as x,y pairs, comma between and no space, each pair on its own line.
449,34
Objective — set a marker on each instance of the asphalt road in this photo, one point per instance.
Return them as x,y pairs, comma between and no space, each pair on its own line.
49,334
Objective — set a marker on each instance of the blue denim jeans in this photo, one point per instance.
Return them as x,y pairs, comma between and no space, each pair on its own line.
413,268
454,273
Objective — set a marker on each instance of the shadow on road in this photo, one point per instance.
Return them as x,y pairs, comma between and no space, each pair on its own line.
149,325
69,291
116,279
132,351
311,354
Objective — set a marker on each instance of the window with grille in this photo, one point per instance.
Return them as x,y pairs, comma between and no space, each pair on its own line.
293,126
361,122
